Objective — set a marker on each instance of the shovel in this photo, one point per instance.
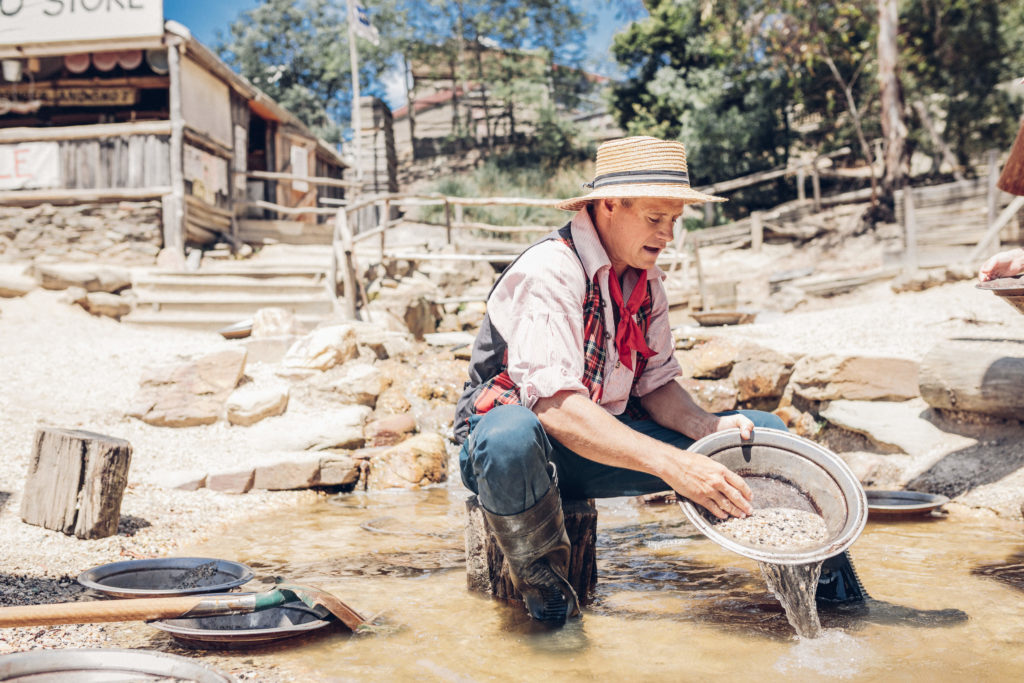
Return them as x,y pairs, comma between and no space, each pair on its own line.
147,609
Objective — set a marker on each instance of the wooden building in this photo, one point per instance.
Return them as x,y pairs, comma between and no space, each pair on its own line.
143,111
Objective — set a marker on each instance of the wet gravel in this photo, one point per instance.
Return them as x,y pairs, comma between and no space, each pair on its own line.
780,528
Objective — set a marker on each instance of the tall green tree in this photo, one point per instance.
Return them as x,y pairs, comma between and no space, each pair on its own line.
297,52
956,53
698,76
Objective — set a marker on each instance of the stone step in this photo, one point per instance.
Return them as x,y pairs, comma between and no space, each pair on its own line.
241,305
183,287
204,321
292,275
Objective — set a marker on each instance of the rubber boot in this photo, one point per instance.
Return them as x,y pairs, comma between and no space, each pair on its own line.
536,547
839,583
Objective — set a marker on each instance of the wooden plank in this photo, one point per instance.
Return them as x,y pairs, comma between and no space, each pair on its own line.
287,232
81,195
992,234
286,210
76,481
312,180
95,131
207,144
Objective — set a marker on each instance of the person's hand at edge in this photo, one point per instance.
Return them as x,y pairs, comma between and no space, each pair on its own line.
1003,264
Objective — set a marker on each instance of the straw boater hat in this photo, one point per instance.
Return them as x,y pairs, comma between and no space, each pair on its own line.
640,167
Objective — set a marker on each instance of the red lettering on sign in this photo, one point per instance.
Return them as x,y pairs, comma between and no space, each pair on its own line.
20,158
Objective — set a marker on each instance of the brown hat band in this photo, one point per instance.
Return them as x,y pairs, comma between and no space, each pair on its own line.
641,178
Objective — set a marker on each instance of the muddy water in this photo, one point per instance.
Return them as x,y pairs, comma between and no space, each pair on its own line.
794,585
670,603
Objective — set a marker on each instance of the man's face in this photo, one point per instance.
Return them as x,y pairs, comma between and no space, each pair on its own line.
639,232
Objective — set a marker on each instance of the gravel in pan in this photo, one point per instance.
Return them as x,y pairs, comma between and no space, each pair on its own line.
776,528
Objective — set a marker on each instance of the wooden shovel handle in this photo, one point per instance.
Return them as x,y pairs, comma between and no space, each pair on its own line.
94,611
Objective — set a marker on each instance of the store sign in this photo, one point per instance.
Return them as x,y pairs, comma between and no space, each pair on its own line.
24,22
207,173
87,97
29,166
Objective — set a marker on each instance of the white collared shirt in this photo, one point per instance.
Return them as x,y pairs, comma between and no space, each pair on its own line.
537,308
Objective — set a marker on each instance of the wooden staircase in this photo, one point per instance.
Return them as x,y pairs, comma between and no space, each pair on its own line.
224,293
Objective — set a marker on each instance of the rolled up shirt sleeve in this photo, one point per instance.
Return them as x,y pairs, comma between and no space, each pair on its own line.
663,366
538,310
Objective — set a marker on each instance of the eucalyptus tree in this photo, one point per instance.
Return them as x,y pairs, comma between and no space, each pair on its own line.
696,71
297,52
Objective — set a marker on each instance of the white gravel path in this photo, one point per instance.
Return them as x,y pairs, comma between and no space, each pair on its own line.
876,321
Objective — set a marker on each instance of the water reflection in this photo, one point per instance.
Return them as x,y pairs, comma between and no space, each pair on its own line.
668,603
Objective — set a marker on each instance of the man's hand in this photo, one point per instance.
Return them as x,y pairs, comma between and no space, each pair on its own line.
711,485
1003,264
745,425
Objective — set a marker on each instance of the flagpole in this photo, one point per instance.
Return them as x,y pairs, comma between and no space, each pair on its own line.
357,123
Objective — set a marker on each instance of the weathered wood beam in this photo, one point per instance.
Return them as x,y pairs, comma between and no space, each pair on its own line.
92,131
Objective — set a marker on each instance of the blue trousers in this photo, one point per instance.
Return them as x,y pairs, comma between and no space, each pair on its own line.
505,460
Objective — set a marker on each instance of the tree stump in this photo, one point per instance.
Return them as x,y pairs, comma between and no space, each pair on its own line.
975,375
75,482
487,571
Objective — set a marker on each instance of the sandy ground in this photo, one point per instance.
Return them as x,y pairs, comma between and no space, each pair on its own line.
60,366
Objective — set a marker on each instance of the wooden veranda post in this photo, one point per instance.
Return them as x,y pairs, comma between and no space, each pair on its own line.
448,221
174,204
909,230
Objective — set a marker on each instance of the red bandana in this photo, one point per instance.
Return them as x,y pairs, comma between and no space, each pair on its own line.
628,336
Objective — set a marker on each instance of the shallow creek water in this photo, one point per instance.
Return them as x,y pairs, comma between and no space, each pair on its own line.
670,603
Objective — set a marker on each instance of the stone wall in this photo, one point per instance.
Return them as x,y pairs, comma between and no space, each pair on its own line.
128,233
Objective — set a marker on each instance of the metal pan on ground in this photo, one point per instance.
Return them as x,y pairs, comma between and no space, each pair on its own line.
239,330
903,503
240,631
717,318
786,471
104,666
165,577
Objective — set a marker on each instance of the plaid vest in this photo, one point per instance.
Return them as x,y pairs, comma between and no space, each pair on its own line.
489,383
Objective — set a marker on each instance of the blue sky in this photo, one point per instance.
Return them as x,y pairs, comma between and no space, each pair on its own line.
205,17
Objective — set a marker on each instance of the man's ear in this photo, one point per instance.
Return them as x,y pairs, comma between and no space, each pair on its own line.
608,204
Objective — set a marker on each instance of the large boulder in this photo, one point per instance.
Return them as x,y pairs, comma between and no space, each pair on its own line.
338,428
358,383
417,461
91,277
857,378
761,373
274,322
389,430
711,360
107,304
713,396
322,348
249,404
901,426
412,301
14,282
189,394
